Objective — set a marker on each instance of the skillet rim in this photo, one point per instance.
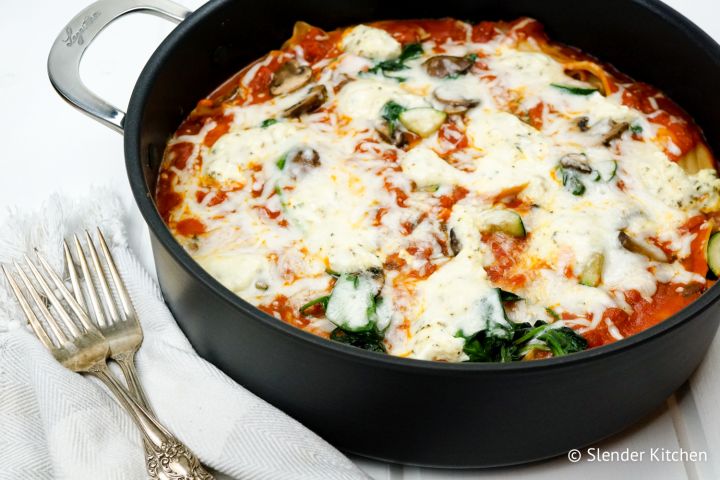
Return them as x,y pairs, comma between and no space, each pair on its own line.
143,198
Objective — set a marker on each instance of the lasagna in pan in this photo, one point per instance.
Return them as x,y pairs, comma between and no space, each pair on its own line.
445,191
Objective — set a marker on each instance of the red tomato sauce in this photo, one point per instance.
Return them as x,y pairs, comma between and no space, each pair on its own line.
281,308
452,137
166,198
179,154
190,227
448,201
222,127
414,31
668,299
680,127
505,249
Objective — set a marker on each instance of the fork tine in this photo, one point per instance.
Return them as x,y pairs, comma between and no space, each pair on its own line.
117,279
29,314
109,302
92,292
62,313
77,289
57,331
69,298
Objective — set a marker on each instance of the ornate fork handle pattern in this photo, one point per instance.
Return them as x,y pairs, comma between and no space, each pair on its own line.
172,460
166,458
164,463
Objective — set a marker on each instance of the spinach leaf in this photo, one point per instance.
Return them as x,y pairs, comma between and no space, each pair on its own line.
409,52
519,339
267,122
562,341
506,296
559,340
575,90
370,340
317,301
571,181
391,112
354,300
487,348
552,313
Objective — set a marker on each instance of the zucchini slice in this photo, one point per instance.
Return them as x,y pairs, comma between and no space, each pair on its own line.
505,221
592,271
423,121
713,253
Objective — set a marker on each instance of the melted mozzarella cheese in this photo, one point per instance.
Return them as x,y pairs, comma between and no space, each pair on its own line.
434,342
371,42
335,221
503,137
424,167
655,178
236,271
458,300
229,158
362,101
565,295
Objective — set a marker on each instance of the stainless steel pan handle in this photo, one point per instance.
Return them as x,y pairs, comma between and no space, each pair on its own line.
70,45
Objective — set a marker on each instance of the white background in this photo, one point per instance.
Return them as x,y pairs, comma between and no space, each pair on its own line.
47,147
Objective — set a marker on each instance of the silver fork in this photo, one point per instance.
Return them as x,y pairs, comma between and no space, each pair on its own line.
82,348
122,330
123,334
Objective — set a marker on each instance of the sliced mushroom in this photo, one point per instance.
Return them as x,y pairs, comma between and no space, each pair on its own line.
377,274
307,157
453,102
392,135
442,66
290,77
583,123
616,131
643,248
455,245
300,160
692,289
576,161
316,97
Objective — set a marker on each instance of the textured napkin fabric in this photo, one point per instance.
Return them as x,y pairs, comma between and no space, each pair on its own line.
57,424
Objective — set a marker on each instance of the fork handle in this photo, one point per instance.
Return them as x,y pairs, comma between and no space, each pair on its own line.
126,362
170,459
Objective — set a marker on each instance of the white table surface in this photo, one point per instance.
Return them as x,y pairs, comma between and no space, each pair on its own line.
48,147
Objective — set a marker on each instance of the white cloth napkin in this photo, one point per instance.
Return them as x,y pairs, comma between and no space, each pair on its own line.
57,424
